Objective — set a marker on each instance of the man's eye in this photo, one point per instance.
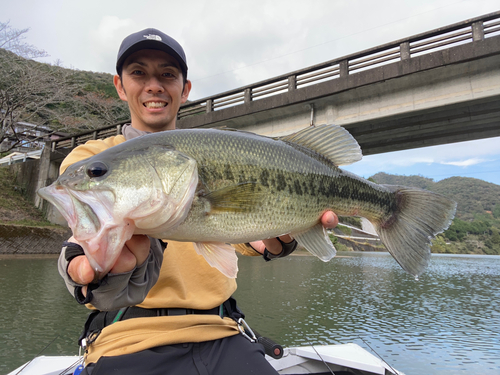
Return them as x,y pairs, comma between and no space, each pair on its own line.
137,72
97,169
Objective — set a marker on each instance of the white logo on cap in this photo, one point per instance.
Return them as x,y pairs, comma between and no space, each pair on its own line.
153,37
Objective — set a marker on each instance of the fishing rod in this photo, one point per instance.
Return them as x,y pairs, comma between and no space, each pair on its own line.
373,350
40,352
319,355
80,368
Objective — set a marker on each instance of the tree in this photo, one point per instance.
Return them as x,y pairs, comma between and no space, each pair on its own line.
98,110
50,95
26,87
27,91
13,40
496,211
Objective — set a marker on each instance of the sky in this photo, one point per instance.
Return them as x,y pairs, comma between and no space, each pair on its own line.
232,43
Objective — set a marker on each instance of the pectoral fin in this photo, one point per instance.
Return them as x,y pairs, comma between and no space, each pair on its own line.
219,255
317,242
237,198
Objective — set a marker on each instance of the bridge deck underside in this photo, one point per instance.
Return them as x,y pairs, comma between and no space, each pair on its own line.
447,124
443,97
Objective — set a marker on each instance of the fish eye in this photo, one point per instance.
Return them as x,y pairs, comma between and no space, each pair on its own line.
97,169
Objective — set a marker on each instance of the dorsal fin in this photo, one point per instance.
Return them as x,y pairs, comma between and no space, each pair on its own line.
331,141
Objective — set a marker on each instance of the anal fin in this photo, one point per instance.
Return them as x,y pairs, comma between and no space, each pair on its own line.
219,255
316,241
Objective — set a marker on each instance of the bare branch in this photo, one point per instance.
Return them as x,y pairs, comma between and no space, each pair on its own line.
48,95
12,40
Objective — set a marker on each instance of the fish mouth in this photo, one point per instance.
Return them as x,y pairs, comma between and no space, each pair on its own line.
69,207
92,223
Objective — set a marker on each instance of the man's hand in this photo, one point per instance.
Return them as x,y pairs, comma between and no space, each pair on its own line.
329,220
134,253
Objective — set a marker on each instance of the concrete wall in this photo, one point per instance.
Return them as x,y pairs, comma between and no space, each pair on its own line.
35,174
27,176
31,240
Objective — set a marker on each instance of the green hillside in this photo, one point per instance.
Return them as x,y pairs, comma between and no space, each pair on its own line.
476,226
64,99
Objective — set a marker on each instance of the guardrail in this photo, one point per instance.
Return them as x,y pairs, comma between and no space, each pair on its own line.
20,157
469,31
78,139
460,33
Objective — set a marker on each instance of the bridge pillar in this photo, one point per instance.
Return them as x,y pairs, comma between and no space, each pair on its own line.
292,83
248,95
48,171
344,68
209,105
404,50
477,31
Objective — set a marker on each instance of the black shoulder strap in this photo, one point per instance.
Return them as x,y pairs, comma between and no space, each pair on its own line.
232,309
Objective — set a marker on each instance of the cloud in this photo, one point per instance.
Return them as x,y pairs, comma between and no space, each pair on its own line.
106,39
466,163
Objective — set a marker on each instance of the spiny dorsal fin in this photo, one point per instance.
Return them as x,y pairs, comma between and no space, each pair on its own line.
331,141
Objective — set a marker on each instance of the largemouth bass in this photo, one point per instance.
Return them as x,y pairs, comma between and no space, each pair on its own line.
220,187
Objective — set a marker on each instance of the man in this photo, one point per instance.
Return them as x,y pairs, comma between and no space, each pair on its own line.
182,319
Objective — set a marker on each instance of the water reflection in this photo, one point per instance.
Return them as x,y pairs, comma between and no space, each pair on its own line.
446,323
35,309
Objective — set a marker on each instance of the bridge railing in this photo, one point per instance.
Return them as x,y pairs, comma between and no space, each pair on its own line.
469,31
78,139
460,33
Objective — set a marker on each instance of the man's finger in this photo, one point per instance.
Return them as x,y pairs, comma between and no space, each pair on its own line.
329,219
139,245
80,271
134,253
125,262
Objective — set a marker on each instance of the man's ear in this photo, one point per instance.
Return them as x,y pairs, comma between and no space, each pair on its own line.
185,92
119,87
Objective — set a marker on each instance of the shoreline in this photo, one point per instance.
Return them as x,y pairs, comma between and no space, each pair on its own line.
28,256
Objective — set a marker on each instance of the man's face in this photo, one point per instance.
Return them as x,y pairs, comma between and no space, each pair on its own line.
152,85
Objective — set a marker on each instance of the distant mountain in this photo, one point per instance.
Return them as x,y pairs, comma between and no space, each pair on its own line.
473,196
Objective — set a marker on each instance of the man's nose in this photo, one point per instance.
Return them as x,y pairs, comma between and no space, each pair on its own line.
153,85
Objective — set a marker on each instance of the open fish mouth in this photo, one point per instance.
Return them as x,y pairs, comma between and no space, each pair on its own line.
104,217
77,213
92,223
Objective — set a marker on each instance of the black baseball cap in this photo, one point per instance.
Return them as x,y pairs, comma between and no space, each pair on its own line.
151,39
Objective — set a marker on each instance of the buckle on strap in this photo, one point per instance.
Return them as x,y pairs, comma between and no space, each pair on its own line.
174,312
243,327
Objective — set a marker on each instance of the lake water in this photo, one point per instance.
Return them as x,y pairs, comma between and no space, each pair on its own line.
446,323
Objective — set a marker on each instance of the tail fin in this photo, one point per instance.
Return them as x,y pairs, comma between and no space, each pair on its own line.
420,216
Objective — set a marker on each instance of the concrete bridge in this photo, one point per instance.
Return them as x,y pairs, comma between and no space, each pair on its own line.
441,86
438,87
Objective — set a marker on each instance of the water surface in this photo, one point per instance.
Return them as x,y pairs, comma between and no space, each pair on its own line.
446,323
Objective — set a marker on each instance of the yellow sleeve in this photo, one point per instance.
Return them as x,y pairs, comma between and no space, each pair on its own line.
89,149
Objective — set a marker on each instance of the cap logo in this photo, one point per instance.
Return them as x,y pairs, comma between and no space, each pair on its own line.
153,37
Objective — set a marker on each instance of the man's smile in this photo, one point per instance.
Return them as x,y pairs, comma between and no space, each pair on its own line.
155,104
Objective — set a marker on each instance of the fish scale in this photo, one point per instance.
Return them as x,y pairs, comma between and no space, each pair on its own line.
277,169
215,187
